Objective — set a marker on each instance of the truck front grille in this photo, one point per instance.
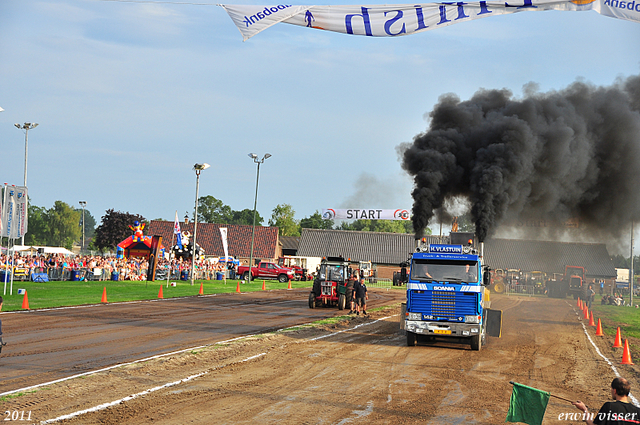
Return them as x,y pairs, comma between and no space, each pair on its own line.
443,305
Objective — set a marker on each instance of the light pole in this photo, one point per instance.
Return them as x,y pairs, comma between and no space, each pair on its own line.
83,204
198,169
255,203
26,127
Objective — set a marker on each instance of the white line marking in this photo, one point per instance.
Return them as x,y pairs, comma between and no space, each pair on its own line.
120,364
615,370
170,384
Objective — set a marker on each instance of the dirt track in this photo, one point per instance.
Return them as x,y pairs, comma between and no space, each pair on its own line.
365,373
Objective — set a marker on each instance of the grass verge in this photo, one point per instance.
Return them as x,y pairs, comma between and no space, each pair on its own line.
70,293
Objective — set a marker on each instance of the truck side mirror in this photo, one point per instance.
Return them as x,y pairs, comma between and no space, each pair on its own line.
486,278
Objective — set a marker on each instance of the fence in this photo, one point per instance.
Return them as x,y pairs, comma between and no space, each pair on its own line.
381,283
528,290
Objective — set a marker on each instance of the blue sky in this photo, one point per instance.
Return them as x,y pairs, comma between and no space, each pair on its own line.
130,95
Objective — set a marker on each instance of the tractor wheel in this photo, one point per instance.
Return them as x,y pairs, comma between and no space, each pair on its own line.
283,278
476,343
342,302
312,300
498,288
412,339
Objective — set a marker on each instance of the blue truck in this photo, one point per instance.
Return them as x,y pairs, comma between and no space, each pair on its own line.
447,295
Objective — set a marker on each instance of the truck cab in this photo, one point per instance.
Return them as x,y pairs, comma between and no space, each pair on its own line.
446,296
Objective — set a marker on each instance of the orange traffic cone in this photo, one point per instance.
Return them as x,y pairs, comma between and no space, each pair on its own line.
591,322
618,342
586,312
599,329
104,295
579,303
201,292
626,354
289,287
25,301
263,287
160,293
238,287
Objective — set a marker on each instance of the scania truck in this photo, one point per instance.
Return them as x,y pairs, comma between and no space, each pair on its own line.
447,295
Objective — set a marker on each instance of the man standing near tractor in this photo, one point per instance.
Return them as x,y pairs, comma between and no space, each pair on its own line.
360,289
349,292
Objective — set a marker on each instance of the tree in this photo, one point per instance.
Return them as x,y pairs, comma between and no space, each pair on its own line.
212,210
38,230
62,221
114,229
386,226
283,218
315,221
246,217
90,224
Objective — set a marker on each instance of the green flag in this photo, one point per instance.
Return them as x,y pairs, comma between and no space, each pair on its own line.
527,405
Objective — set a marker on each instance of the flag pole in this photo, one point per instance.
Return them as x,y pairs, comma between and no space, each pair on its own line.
551,395
170,250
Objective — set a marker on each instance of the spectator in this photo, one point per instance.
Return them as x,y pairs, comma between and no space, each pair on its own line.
360,290
620,409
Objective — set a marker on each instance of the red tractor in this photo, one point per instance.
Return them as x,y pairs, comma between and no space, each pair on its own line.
572,283
330,284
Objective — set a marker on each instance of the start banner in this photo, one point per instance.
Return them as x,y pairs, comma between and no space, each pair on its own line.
365,214
404,19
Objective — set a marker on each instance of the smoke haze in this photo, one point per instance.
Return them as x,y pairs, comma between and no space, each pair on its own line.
570,154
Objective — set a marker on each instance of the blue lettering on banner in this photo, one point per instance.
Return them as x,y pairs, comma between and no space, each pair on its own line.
365,18
387,25
263,14
399,18
631,5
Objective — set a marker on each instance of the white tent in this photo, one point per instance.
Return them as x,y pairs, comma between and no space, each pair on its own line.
45,249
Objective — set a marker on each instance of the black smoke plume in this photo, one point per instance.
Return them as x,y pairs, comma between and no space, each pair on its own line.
570,154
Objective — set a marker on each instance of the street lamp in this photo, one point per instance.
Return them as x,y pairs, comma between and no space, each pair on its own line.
198,169
83,204
255,203
26,127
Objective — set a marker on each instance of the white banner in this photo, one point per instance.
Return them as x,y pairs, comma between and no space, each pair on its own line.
404,19
14,212
365,214
223,233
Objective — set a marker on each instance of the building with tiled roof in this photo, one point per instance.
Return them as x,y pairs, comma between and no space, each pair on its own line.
266,242
290,244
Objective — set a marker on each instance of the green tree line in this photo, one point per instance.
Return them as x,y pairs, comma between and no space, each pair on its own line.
60,225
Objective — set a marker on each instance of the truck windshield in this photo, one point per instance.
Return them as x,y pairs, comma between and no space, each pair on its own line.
330,272
444,271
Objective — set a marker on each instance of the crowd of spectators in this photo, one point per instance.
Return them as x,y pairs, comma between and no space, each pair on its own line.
93,267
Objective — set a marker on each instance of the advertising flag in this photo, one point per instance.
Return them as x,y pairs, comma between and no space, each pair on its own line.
405,19
527,405
223,233
365,214
177,232
14,212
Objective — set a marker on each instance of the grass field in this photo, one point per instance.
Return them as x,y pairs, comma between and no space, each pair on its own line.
70,293
626,318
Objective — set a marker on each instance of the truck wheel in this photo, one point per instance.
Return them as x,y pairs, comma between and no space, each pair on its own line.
342,302
283,278
476,343
312,300
412,339
245,276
